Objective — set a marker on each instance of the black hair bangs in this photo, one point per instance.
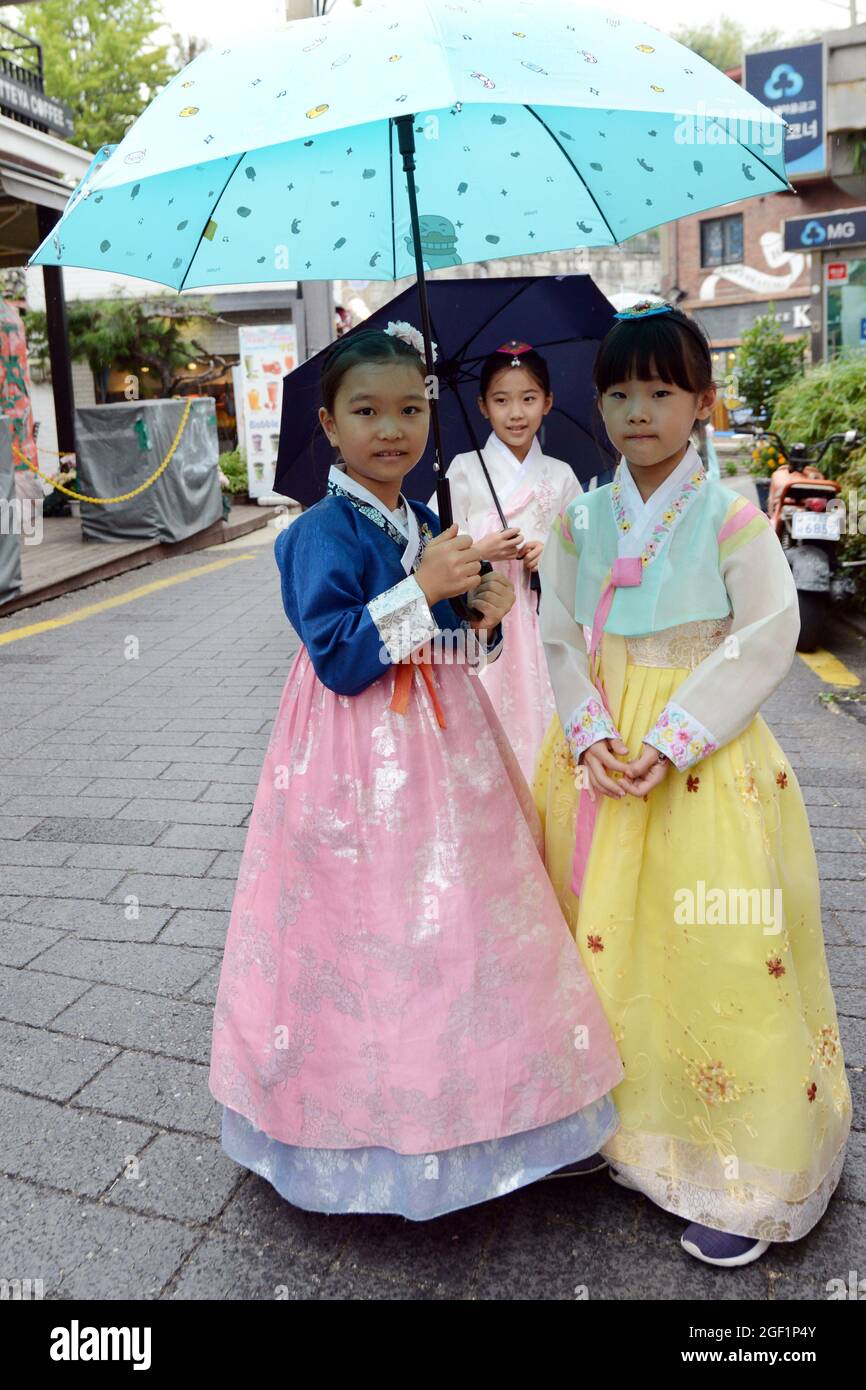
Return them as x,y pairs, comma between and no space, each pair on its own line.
670,347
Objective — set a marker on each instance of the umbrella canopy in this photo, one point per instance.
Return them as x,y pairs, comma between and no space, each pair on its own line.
563,317
537,128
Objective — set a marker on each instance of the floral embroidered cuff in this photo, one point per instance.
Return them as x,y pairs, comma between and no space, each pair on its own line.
589,723
403,618
681,737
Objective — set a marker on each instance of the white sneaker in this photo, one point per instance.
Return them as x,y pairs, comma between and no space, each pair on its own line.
721,1248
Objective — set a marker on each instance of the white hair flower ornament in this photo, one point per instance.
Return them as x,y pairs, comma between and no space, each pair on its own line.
413,336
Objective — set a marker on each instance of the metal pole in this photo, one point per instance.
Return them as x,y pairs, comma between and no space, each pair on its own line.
406,136
58,339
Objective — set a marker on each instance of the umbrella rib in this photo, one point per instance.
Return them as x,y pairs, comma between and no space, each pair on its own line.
391,172
477,447
561,147
241,156
767,166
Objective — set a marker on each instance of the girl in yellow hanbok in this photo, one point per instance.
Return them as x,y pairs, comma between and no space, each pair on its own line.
676,834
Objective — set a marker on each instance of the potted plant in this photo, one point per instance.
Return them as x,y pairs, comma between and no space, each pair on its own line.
766,455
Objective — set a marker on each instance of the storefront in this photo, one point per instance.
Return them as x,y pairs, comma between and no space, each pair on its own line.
838,243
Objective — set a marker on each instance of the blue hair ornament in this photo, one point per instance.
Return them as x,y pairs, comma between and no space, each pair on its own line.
643,309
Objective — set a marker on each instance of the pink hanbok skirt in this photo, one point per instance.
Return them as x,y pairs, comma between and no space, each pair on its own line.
399,984
518,682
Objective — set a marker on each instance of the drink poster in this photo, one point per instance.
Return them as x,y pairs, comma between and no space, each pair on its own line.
267,352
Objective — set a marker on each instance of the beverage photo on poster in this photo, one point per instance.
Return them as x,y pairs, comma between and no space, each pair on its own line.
267,352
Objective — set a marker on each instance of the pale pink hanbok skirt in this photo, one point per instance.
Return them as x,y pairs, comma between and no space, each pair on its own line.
398,974
518,682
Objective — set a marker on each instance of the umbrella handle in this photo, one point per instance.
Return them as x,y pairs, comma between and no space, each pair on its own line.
446,517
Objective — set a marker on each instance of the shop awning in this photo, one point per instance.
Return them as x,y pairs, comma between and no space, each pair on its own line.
21,190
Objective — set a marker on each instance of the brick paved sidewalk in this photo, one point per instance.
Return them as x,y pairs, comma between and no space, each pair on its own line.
124,795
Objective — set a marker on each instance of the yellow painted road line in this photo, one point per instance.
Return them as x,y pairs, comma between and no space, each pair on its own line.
829,668
33,629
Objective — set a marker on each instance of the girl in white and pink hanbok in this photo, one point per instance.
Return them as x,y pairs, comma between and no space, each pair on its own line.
403,1023
530,488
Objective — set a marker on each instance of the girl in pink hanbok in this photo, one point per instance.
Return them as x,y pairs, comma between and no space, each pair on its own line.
403,1023
507,501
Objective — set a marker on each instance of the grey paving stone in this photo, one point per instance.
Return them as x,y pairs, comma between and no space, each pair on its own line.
102,767
843,894
158,1090
205,991
853,1036
227,1270
173,891
844,865
11,906
146,1022
84,1250
226,865
62,882
853,925
848,817
36,853
180,1176
836,779
829,1250
204,836
852,1184
847,965
95,921
185,812
12,785
219,738
64,1147
834,933
159,969
31,996
98,831
20,944
191,759
16,827
837,839
47,1064
193,927
851,1002
98,808
145,858
857,1083
231,794
228,775
143,790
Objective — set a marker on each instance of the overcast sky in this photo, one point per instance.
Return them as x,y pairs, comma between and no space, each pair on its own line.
219,20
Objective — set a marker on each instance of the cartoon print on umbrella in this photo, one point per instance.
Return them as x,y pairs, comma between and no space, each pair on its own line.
438,241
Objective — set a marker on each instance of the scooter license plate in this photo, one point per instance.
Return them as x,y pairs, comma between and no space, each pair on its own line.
821,526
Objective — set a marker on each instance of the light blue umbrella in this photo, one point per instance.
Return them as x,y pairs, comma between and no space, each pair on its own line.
363,145
538,127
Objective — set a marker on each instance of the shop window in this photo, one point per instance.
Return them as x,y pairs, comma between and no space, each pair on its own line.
722,240
846,310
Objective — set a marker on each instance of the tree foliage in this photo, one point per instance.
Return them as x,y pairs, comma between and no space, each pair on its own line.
101,59
765,362
128,334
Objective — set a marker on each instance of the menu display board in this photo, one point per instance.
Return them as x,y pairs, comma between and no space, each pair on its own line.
267,352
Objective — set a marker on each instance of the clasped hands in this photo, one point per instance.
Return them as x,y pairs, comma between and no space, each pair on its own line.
635,777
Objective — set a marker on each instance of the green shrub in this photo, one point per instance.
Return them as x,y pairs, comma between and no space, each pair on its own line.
234,465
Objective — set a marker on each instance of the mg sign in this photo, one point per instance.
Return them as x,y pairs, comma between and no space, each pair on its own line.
826,230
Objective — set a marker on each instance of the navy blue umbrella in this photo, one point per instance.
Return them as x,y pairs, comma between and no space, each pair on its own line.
563,317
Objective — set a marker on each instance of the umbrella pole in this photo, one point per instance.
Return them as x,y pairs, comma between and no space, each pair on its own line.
406,136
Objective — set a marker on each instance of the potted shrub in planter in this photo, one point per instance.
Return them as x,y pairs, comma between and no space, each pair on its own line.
766,456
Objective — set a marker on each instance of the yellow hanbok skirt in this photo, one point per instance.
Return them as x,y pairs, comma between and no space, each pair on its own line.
700,925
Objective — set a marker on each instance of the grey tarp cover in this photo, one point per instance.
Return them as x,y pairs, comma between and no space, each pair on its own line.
10,540
110,458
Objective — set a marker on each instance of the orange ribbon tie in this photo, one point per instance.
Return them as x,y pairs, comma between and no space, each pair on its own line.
403,674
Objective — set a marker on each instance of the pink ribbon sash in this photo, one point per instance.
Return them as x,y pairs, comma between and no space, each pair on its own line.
626,573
